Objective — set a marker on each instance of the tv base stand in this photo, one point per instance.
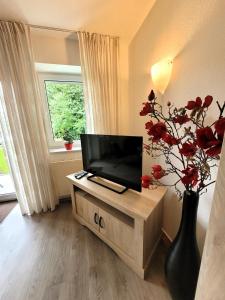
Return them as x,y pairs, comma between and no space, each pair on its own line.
129,223
110,186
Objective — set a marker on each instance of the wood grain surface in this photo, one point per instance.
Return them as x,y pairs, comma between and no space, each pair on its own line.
51,256
130,233
142,203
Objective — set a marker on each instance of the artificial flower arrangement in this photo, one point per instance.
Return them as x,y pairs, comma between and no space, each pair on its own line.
190,149
181,133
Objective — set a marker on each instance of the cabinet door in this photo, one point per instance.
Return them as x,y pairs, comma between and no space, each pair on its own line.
87,210
117,231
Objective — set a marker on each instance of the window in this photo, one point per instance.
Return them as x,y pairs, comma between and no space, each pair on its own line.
4,167
64,107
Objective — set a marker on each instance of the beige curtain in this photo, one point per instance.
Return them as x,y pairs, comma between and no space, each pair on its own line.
21,119
99,64
212,271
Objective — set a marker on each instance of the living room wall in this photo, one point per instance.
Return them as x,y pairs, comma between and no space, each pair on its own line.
52,47
192,34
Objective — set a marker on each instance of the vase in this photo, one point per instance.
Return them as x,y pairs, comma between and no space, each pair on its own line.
183,259
68,146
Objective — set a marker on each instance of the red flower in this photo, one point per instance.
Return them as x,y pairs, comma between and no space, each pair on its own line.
148,125
191,105
148,108
194,104
170,140
215,150
197,104
188,149
191,175
157,131
157,172
158,175
181,119
146,178
146,181
208,101
156,168
151,96
220,127
205,138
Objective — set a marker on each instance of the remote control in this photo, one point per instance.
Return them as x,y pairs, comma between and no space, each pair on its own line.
80,174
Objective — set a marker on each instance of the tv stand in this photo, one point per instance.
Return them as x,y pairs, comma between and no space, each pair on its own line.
129,223
109,185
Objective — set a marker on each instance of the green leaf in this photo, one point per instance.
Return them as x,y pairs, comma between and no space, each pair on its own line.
66,107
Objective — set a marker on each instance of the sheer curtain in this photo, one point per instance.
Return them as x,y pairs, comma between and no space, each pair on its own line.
99,64
21,120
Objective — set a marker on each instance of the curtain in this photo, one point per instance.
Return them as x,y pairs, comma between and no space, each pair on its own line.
21,120
99,65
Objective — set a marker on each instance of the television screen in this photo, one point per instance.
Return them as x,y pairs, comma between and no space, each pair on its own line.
113,157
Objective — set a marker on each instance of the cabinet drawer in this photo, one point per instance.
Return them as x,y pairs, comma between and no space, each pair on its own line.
86,209
117,231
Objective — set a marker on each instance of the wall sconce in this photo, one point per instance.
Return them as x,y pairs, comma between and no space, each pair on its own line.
161,72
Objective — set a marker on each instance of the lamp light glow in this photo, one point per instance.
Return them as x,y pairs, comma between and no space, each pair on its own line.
160,73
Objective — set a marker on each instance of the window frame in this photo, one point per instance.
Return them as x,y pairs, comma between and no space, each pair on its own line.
47,118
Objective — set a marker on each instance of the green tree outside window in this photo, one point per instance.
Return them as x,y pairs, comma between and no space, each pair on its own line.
66,107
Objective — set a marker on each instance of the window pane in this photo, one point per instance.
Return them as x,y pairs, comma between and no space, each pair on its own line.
66,108
4,167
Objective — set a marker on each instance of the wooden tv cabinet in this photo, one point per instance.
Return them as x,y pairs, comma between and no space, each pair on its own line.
129,223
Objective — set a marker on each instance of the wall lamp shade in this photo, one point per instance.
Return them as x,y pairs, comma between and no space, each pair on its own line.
161,72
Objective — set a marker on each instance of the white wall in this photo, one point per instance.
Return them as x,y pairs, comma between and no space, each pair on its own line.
55,47
193,34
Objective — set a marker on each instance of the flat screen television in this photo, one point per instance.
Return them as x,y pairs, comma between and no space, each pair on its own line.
113,157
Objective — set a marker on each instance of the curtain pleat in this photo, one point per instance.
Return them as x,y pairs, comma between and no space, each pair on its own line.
22,122
99,64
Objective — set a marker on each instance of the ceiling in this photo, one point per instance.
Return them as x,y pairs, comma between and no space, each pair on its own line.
115,17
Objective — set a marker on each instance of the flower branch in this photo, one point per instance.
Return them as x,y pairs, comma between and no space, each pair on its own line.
196,148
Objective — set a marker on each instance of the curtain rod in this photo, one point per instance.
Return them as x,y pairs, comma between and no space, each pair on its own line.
61,29
52,28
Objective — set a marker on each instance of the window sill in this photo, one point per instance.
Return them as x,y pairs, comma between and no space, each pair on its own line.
63,150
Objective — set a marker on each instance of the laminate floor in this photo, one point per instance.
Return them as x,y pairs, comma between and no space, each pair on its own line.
50,256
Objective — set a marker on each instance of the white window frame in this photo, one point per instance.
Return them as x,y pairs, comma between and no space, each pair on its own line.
62,78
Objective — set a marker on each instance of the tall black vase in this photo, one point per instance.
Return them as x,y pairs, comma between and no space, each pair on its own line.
183,259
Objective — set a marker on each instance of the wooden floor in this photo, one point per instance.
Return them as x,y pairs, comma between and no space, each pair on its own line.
51,256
